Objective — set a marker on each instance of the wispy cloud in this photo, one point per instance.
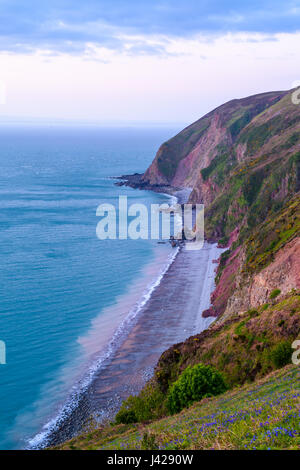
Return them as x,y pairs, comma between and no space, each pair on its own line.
69,25
189,77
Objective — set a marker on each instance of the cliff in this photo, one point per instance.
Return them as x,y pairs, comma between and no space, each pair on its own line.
180,160
242,161
268,260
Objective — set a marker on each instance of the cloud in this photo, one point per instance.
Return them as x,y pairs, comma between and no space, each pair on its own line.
68,25
105,85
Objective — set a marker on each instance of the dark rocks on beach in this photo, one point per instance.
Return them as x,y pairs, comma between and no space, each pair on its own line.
136,181
210,312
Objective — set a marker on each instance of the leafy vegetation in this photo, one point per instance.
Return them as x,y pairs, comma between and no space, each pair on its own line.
149,404
194,384
275,293
218,166
237,125
281,353
268,238
258,135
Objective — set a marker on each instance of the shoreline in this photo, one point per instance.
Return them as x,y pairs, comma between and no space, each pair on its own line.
161,323
135,181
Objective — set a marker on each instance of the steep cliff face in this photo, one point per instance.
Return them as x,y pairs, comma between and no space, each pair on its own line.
283,272
179,161
267,262
242,161
258,176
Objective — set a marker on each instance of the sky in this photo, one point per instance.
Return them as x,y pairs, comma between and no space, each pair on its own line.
141,61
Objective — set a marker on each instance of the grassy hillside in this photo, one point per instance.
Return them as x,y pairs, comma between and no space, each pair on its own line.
263,415
261,410
271,236
258,175
234,116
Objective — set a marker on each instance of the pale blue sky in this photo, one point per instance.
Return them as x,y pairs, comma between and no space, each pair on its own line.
127,61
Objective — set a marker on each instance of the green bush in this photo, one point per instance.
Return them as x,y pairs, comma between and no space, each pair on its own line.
194,384
148,405
281,354
148,442
252,313
125,416
275,293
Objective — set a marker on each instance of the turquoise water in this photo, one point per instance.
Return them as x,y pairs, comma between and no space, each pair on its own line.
62,291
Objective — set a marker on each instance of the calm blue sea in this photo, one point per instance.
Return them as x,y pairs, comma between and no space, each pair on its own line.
63,292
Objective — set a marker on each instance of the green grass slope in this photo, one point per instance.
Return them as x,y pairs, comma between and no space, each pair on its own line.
271,236
257,175
263,415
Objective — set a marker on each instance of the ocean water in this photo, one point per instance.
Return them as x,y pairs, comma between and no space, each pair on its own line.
64,294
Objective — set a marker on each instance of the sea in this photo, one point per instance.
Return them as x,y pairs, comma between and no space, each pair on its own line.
66,297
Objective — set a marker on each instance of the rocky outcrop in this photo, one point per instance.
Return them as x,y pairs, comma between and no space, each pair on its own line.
283,274
253,291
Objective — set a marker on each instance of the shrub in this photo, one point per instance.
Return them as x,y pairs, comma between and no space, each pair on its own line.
223,241
264,307
275,293
148,442
148,405
252,313
194,384
125,416
281,354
